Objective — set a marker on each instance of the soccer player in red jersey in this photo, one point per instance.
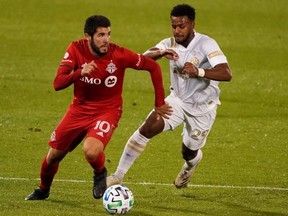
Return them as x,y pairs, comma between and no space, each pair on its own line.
96,67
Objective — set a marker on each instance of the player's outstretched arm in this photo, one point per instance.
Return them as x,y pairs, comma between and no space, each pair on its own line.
156,53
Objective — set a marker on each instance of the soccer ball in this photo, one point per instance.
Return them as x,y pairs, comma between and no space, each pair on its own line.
118,199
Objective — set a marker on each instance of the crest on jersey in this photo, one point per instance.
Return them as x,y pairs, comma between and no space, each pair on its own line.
195,61
111,67
66,55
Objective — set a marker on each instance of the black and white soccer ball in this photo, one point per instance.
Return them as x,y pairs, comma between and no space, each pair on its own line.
118,199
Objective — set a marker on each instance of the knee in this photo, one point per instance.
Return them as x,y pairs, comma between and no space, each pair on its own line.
91,150
152,126
90,154
146,131
55,156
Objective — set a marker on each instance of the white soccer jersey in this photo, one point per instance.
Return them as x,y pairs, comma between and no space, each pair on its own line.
199,95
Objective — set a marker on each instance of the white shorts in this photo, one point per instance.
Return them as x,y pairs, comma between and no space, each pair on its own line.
195,128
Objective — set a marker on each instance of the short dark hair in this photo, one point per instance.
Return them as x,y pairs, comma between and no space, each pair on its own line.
94,22
183,10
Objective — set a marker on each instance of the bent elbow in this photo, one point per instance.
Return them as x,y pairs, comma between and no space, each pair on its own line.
228,74
56,87
229,77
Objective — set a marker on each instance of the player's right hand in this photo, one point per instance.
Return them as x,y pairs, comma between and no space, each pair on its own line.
170,54
88,68
165,111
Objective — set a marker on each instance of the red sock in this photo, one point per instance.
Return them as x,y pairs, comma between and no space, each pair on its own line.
47,174
98,163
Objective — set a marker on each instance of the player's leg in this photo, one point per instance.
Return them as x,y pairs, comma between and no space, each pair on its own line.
195,133
67,135
98,136
192,158
49,168
94,153
138,141
93,150
135,146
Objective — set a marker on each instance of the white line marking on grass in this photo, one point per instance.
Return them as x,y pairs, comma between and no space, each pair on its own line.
215,186
158,184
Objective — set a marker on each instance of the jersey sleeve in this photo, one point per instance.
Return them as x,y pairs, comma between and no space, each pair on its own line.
214,54
65,74
164,44
141,62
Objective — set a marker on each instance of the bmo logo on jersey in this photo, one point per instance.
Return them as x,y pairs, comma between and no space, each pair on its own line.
110,81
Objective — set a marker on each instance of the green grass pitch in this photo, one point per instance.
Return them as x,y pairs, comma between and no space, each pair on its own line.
244,169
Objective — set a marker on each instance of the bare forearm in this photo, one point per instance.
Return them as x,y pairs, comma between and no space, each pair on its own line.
155,54
219,73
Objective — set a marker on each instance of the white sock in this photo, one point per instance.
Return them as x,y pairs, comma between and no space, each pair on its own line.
188,165
134,147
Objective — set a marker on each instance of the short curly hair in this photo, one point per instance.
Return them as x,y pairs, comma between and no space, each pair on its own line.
183,10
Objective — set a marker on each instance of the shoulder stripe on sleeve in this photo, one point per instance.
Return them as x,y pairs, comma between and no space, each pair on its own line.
215,53
173,43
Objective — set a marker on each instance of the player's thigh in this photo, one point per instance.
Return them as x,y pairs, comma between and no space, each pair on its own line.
68,133
177,117
196,129
103,126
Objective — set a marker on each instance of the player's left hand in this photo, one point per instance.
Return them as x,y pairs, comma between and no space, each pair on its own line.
190,70
165,111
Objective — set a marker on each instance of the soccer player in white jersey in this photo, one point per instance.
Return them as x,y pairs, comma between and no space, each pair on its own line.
197,64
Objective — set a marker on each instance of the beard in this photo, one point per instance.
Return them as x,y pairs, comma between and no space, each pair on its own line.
97,49
182,41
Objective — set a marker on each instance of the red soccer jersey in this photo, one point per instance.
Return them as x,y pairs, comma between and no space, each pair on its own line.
103,87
